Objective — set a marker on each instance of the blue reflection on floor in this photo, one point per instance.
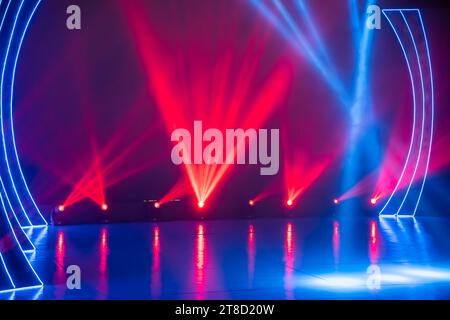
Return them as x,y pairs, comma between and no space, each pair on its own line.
241,259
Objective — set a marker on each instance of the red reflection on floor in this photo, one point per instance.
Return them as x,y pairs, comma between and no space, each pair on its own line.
374,245
156,272
60,274
336,242
200,262
103,266
289,262
251,255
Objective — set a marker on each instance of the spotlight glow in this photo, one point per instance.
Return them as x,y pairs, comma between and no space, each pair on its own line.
157,205
251,203
336,201
289,203
374,201
201,204
61,208
104,207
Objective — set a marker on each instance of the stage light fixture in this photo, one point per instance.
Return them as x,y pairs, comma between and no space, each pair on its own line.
201,204
336,201
289,203
61,208
104,207
374,201
157,205
251,203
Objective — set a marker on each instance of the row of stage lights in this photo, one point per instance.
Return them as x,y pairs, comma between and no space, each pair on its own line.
62,208
201,204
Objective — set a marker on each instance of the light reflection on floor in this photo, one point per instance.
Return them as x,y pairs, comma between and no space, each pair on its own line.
239,259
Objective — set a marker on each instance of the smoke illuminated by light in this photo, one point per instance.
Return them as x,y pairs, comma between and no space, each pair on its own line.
181,103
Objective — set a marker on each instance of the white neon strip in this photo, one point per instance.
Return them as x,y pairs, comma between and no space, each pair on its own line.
1,27
9,202
423,114
22,289
36,296
432,114
17,241
398,10
388,216
4,16
414,114
15,217
11,113
7,272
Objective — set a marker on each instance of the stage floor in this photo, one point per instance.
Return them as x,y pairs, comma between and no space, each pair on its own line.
247,259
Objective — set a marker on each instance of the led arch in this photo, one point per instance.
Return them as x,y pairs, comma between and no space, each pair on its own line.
17,207
409,30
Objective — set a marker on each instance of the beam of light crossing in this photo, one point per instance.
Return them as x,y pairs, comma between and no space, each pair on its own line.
298,41
324,69
354,18
306,15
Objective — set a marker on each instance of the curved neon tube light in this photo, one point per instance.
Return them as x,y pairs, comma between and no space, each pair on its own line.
17,241
12,118
414,119
7,271
432,114
4,16
1,27
5,212
1,117
1,114
17,220
423,114
1,181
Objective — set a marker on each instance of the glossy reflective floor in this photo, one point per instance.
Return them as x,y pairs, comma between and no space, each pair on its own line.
242,259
